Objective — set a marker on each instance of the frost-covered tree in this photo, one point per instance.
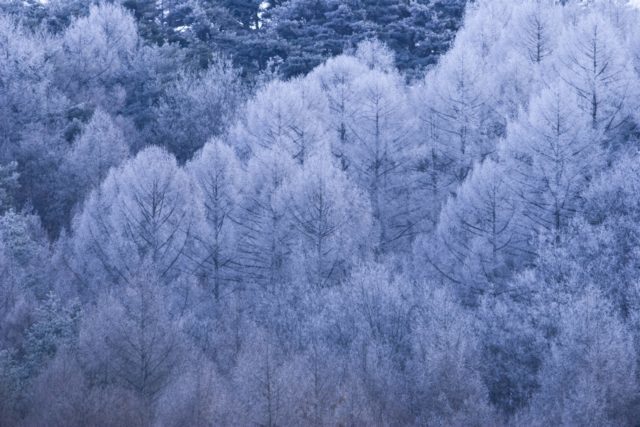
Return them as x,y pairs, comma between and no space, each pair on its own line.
484,27
55,327
455,125
195,108
375,326
100,147
375,55
447,388
512,345
33,322
26,249
454,116
590,375
265,235
63,395
8,185
28,96
551,155
217,172
601,242
331,218
412,350
267,381
535,29
132,340
27,338
288,116
380,158
337,79
479,241
94,54
143,213
32,119
592,62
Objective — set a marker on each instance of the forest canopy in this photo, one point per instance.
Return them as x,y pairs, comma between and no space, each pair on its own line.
319,212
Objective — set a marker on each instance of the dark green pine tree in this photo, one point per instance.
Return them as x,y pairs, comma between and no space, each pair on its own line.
162,21
232,28
54,15
246,12
310,31
422,31
418,31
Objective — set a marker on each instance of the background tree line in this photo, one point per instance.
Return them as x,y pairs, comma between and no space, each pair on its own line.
293,36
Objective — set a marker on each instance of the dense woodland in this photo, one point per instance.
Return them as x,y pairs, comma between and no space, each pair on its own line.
319,212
